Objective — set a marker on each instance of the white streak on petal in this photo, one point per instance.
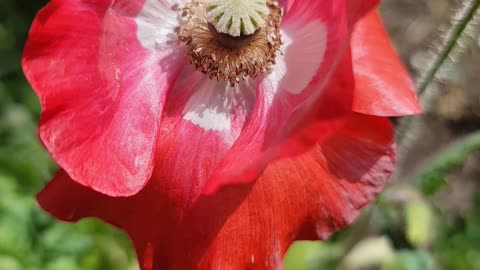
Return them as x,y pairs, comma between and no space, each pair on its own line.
215,106
156,24
304,49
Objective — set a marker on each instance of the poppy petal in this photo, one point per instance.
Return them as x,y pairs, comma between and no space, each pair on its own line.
102,89
316,37
308,197
292,109
69,201
281,128
383,87
202,120
356,9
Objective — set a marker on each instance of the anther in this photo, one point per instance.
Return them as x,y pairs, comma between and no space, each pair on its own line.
224,55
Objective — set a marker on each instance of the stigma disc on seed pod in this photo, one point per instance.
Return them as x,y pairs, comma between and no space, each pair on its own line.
237,17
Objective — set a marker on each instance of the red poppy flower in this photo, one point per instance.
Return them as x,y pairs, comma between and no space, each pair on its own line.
213,140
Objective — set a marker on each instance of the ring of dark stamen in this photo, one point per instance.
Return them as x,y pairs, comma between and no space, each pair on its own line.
231,42
255,55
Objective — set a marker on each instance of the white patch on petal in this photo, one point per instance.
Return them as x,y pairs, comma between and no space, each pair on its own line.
303,50
156,24
215,105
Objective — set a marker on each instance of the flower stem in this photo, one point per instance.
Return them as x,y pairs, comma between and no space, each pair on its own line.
459,24
451,40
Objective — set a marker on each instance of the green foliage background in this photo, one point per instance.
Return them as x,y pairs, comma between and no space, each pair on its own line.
395,234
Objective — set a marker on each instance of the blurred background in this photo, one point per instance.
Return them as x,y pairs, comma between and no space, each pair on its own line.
427,219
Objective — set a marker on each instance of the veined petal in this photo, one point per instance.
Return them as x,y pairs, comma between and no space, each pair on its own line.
297,104
383,86
308,197
102,88
202,120
283,125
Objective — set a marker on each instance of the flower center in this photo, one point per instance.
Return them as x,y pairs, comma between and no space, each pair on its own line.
231,40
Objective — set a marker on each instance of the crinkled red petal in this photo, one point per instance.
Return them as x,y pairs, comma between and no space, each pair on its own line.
244,227
215,138
102,93
290,117
266,140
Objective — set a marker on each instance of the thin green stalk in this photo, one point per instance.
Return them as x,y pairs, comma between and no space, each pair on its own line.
451,40
459,24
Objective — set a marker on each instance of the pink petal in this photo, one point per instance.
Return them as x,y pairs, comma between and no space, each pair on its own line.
228,135
355,9
358,9
286,125
244,227
102,90
383,86
202,120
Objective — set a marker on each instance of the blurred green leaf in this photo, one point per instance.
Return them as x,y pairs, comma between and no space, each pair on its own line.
9,263
372,252
432,178
14,238
64,239
300,255
63,263
419,223
304,255
415,260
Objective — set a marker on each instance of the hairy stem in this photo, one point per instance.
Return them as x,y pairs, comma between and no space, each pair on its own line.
451,46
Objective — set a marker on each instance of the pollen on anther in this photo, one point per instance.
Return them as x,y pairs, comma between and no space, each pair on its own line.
219,62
